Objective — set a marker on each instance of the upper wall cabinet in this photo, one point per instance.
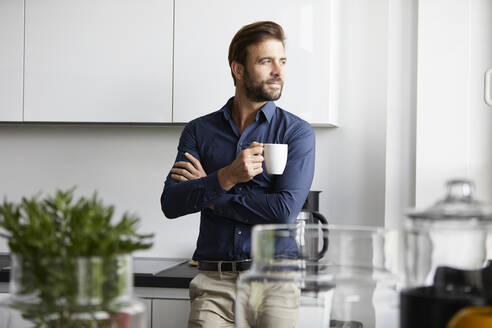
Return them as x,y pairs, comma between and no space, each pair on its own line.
204,29
11,34
98,61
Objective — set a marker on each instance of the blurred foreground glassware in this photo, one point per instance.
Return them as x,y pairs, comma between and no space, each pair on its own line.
348,283
81,292
447,264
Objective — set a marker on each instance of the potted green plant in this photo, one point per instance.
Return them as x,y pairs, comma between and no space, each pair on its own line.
71,264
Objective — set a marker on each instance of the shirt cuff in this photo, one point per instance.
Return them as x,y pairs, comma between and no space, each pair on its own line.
222,205
225,206
212,187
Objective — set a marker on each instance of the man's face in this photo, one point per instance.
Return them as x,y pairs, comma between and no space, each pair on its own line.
264,71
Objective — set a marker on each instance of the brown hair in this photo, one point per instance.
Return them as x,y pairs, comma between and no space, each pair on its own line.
251,34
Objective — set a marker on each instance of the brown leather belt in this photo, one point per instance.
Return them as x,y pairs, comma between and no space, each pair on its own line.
224,266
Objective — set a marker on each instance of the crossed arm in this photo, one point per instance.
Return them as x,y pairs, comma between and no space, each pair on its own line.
190,189
245,167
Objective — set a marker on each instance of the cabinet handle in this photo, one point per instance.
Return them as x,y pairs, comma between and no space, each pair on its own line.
488,87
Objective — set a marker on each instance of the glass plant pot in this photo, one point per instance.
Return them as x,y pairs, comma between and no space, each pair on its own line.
75,292
312,275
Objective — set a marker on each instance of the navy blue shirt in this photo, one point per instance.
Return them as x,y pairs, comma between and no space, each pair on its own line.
213,139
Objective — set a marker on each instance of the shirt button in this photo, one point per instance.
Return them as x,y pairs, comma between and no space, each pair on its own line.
239,188
239,232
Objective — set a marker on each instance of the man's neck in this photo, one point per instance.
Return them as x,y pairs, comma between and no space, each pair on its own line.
244,111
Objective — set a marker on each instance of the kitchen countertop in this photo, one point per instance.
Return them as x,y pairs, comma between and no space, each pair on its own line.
175,273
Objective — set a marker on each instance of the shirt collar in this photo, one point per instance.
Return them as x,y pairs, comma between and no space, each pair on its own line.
268,110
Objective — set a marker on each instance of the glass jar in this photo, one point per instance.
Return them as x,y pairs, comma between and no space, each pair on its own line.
341,279
446,257
75,292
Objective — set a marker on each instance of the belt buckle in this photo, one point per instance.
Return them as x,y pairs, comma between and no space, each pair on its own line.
233,266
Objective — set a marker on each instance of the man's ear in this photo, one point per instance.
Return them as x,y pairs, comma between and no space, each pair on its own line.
237,69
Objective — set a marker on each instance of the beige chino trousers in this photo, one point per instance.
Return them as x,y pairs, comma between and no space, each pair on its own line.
213,299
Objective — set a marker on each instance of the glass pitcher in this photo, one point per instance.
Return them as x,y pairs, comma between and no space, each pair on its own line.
351,285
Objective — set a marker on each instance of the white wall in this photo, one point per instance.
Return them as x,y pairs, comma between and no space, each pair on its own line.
127,164
351,159
454,125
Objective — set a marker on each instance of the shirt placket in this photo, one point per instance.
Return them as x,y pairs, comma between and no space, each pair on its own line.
242,144
238,231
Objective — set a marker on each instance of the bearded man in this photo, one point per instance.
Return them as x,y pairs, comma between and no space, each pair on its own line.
219,172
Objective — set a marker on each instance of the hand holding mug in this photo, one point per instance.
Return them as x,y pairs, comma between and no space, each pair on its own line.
245,167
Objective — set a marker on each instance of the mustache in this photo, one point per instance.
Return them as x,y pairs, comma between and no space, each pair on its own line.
277,79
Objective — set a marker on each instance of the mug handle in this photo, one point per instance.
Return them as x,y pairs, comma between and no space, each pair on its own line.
320,217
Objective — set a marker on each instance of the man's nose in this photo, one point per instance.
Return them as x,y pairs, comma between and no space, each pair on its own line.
277,69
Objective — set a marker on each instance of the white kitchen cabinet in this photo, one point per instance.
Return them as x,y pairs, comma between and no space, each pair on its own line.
13,319
148,311
10,318
98,61
204,29
11,51
170,313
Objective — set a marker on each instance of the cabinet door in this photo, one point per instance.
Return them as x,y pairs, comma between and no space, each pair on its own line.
170,313
204,30
98,60
11,43
11,318
148,311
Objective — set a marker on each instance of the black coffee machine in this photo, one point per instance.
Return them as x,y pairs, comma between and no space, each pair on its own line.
311,205
310,215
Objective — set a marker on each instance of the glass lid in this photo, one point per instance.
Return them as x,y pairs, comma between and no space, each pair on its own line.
458,203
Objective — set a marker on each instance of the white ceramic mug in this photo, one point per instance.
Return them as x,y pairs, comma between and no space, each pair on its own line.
275,157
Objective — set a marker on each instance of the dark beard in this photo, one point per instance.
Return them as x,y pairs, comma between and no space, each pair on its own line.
257,91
